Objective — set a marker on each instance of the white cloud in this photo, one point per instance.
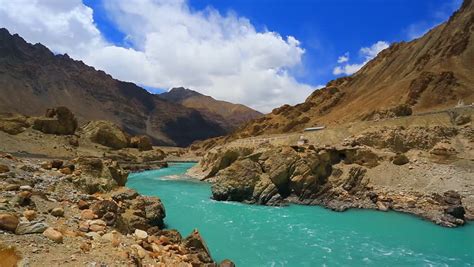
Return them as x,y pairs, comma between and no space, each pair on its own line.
343,58
172,45
367,53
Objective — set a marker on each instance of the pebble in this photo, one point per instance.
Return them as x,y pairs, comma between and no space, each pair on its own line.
26,188
57,212
29,214
88,214
140,234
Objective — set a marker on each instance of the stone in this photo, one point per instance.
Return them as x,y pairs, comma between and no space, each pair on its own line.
4,168
53,235
140,234
30,228
88,214
57,164
12,187
226,263
381,206
106,133
65,171
142,142
13,124
124,194
140,251
26,188
82,205
8,222
97,225
400,159
101,207
60,121
456,211
195,243
462,119
93,235
29,214
23,198
46,165
57,212
84,226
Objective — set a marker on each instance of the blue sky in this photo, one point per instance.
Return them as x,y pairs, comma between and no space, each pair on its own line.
326,28
262,53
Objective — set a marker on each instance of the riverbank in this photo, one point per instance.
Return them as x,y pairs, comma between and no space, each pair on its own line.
422,170
78,212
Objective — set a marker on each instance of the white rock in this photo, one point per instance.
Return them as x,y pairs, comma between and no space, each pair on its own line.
140,234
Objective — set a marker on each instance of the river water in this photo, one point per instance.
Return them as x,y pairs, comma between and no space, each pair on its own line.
296,235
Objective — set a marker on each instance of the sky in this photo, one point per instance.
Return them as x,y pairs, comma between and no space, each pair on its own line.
261,53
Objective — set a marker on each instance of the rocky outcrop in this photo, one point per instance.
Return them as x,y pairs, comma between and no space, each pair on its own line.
338,178
95,175
58,120
142,142
106,133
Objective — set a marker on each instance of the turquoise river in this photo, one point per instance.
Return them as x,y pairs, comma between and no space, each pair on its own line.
296,235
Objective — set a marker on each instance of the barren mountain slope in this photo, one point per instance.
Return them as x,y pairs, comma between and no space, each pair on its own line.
433,72
228,115
33,79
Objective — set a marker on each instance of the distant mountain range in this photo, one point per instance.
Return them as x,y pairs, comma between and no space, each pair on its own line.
430,73
33,79
228,115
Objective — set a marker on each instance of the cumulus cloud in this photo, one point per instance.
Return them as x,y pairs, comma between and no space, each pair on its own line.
367,53
221,55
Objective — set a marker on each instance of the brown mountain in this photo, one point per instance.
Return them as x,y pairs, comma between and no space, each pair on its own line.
433,72
228,115
33,79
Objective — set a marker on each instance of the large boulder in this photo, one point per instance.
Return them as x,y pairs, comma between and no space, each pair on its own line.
60,121
142,213
96,175
199,252
106,133
13,123
142,142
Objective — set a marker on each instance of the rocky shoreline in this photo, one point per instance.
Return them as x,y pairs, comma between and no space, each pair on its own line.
78,212
417,171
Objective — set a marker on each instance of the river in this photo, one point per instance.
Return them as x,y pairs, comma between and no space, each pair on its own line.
252,235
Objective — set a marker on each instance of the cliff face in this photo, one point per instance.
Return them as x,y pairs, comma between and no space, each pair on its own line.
33,79
228,115
429,73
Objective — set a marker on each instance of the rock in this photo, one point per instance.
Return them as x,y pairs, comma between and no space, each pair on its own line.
443,150
29,214
4,168
13,123
140,234
124,194
30,228
57,164
110,218
73,141
26,188
93,236
226,263
46,165
140,251
84,226
12,187
23,198
58,121
66,171
88,214
400,159
381,206
456,211
53,235
106,133
195,243
462,119
97,225
8,222
141,142
57,212
96,175
82,205
101,207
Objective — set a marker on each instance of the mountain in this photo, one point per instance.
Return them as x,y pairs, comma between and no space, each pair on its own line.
228,115
433,72
33,79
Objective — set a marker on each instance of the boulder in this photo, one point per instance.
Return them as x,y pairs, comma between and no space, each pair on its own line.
13,123
143,213
400,159
8,222
98,175
24,228
456,211
101,207
60,121
106,133
53,235
142,142
195,244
